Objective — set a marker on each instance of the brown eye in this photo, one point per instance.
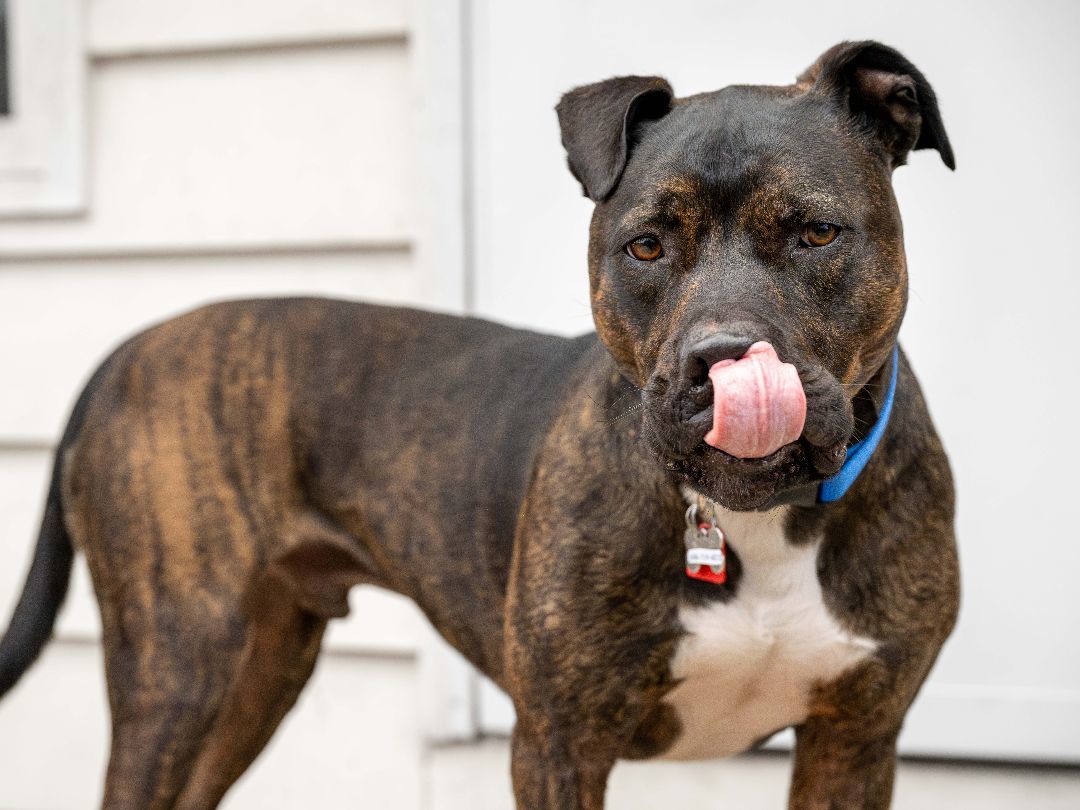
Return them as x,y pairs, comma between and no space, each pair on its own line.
646,249
819,234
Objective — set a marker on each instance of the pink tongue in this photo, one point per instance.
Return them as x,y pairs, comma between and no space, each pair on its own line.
758,404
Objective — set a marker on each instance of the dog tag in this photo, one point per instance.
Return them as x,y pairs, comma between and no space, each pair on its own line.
706,549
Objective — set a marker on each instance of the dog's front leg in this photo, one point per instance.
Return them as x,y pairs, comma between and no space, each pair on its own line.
589,637
581,680
838,767
590,632
591,620
845,752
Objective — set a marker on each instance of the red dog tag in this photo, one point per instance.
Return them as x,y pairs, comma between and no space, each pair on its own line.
706,550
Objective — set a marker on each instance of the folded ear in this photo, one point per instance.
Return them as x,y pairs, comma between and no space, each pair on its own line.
598,123
886,95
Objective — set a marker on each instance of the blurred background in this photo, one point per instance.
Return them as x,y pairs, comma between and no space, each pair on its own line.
158,155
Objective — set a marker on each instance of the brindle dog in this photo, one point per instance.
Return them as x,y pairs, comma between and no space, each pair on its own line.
232,473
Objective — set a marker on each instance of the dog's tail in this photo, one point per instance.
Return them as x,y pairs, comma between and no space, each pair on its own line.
50,572
46,585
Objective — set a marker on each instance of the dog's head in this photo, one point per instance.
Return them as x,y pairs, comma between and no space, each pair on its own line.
745,215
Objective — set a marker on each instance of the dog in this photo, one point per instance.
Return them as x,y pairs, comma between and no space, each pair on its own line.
724,514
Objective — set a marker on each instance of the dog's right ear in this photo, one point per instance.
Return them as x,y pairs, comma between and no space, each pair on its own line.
598,122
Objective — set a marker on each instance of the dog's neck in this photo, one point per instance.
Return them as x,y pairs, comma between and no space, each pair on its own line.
711,509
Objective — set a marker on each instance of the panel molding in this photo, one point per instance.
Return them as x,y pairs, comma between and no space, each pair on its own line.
207,250
443,180
448,684
128,29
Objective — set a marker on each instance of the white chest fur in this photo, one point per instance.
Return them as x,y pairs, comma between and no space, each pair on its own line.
749,666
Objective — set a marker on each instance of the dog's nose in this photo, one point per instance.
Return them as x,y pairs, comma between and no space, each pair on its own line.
705,353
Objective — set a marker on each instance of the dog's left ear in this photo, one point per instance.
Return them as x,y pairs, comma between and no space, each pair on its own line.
598,122
887,96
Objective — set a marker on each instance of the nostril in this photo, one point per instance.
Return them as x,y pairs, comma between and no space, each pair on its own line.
699,375
705,353
697,393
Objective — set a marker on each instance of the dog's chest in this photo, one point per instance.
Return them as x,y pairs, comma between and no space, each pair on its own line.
748,666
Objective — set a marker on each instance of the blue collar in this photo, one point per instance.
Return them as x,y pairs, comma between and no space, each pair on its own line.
859,454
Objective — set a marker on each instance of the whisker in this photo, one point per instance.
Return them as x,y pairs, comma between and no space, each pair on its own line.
620,398
633,409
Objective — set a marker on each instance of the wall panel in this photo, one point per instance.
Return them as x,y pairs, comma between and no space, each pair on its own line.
307,146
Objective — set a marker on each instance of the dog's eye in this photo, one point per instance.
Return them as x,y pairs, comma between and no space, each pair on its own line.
645,249
819,234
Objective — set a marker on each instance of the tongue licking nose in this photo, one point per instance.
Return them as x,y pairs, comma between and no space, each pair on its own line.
758,404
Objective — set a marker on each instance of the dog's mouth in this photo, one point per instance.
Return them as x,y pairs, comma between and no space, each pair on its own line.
744,484
749,430
758,404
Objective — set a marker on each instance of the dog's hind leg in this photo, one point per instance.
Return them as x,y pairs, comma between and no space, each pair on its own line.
168,670
279,656
287,606
170,587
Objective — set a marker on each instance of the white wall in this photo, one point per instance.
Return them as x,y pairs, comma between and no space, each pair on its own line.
994,282
234,149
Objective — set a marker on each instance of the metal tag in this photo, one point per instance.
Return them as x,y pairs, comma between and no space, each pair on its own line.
706,549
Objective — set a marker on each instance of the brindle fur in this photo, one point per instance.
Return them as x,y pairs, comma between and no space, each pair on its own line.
230,474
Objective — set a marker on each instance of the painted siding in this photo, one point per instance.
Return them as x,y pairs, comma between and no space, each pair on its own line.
239,149
301,146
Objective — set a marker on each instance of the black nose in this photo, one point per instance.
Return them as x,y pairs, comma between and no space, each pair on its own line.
703,355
